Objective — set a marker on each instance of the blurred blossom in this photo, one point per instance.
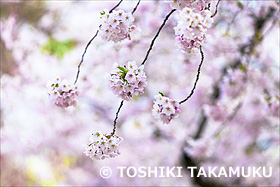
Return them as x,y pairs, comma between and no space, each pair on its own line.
7,29
200,149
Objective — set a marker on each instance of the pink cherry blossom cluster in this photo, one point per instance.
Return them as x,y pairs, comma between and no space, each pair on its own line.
62,93
196,4
165,109
103,146
191,28
128,80
116,26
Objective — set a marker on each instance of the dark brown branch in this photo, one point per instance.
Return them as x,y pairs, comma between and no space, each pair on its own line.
115,6
135,8
116,118
216,11
201,126
197,77
79,66
157,34
78,73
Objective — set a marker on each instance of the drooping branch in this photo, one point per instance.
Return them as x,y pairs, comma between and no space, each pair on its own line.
135,8
157,34
216,11
79,66
116,118
115,6
88,44
197,77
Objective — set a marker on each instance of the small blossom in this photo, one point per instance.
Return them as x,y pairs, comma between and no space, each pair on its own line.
128,80
116,26
62,93
102,146
165,109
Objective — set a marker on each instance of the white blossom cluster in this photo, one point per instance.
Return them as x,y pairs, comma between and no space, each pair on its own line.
103,146
128,80
62,93
195,4
116,26
191,29
165,109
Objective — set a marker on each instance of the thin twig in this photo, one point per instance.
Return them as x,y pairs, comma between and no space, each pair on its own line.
216,11
274,21
135,8
157,34
78,73
115,6
117,115
197,77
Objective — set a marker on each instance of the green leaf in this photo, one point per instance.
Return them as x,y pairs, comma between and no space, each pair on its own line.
122,69
240,5
102,13
58,48
161,93
56,85
242,68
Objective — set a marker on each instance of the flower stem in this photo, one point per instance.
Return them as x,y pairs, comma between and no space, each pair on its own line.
197,77
116,118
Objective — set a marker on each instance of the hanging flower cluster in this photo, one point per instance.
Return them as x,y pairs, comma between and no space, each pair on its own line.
62,93
128,80
116,26
191,29
165,109
103,146
195,4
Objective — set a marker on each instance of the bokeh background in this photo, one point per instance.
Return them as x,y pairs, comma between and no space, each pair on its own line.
231,120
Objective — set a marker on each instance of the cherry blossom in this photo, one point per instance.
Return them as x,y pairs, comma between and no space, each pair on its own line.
62,93
165,109
103,146
191,29
116,26
128,80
